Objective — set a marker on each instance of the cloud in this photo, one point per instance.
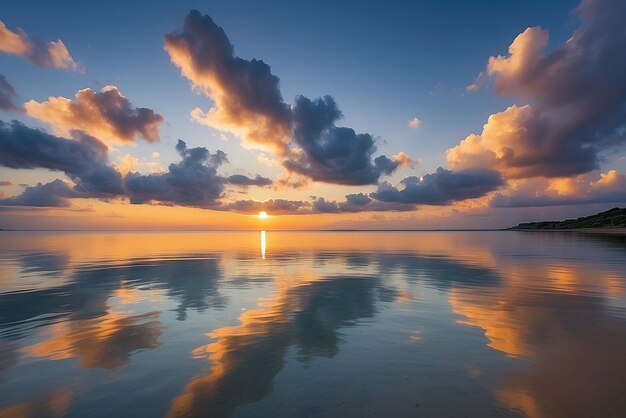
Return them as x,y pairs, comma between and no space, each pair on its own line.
442,187
53,194
358,202
192,182
290,181
7,95
414,123
478,82
107,115
83,159
44,54
248,101
609,187
241,180
577,99
332,154
5,183
404,160
273,206
195,182
129,163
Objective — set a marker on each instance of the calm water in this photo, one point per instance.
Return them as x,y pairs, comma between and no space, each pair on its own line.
291,324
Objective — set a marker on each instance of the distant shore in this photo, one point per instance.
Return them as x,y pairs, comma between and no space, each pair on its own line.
608,231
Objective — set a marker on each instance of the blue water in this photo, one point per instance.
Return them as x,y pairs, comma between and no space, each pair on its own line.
302,324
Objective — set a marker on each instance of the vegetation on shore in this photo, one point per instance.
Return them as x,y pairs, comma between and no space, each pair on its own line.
613,218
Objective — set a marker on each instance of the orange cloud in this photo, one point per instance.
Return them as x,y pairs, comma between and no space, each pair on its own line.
576,99
415,123
51,54
524,54
404,160
502,143
106,115
595,187
247,98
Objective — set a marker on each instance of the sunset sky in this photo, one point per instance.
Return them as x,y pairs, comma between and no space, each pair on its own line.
325,115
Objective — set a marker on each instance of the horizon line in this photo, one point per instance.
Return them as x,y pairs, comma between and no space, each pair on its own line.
258,230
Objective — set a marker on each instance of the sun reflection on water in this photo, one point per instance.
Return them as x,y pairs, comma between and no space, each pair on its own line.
263,244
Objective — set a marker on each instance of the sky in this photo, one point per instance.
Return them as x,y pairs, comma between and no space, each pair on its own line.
325,115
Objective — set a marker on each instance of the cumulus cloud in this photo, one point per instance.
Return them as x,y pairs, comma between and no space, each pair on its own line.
7,95
192,182
442,187
53,194
597,187
358,202
107,115
414,123
404,160
577,97
83,159
329,153
195,182
44,54
248,103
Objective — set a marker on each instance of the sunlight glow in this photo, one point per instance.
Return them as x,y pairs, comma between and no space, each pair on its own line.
262,215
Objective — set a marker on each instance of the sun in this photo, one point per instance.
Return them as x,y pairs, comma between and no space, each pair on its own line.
262,215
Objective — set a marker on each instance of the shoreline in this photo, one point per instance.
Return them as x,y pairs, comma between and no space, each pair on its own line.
607,231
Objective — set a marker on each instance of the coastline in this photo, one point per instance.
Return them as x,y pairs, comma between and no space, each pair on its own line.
607,231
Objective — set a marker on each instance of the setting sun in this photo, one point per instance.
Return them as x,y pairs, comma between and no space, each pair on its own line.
262,215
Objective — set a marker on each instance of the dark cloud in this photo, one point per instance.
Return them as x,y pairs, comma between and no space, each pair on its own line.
358,202
192,182
44,54
248,103
107,115
83,159
241,180
53,194
329,153
442,187
577,96
7,95
24,147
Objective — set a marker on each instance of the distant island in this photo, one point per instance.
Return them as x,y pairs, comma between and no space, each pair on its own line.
613,218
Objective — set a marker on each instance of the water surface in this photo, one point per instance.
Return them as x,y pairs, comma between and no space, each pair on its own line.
296,324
